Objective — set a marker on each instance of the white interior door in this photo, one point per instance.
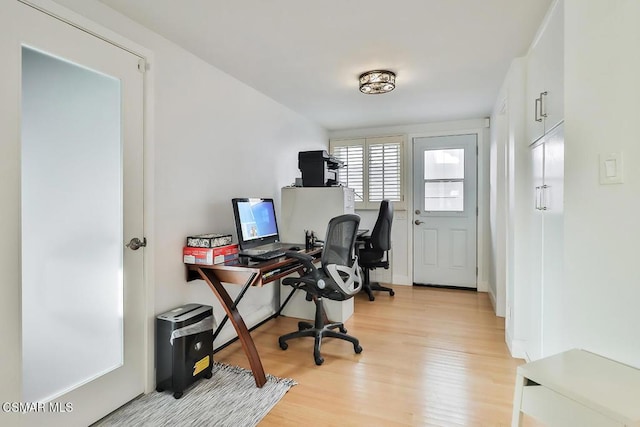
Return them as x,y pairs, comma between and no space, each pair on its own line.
81,201
445,210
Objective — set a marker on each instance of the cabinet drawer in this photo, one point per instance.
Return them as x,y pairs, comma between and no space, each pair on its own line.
554,409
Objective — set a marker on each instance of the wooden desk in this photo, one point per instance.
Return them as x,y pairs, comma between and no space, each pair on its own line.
246,273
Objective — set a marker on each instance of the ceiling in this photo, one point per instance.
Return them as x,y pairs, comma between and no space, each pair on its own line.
450,56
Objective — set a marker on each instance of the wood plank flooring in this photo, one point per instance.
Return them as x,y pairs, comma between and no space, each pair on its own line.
433,357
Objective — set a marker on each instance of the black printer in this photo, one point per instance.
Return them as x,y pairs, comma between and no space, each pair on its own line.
319,169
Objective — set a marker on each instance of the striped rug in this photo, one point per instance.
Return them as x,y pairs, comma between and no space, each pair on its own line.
229,398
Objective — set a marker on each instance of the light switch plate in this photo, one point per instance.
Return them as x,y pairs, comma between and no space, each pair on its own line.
611,170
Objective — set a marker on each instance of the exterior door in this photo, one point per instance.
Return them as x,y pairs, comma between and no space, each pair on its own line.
80,178
445,210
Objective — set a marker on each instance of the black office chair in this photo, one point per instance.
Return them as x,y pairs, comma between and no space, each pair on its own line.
337,279
375,253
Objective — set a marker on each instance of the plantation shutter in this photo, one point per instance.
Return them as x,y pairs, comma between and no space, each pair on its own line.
385,171
374,169
352,175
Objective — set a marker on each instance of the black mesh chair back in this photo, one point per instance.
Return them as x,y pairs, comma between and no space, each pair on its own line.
339,241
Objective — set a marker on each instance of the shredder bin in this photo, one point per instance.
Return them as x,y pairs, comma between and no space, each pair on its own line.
184,347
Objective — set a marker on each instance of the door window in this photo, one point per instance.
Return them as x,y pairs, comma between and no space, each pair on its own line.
444,180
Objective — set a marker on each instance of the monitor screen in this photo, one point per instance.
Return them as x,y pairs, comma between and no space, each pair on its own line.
255,222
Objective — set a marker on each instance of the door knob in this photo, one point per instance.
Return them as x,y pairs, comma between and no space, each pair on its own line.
136,243
418,222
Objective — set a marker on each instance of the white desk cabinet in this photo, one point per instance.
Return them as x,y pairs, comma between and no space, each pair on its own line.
578,388
311,208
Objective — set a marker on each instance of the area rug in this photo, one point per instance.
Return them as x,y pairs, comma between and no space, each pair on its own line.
229,398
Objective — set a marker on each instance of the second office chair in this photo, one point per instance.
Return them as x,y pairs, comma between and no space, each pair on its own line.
375,253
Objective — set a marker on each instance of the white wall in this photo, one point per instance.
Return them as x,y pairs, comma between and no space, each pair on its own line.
214,139
211,138
510,225
602,103
402,253
499,137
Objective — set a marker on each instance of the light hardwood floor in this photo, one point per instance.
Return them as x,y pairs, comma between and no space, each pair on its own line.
431,357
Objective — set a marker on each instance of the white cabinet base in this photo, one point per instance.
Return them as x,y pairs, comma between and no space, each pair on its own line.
577,388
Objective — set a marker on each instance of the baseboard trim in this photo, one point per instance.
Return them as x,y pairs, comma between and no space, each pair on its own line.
401,280
431,285
492,298
516,347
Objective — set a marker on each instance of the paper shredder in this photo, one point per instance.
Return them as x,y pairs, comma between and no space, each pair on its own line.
184,347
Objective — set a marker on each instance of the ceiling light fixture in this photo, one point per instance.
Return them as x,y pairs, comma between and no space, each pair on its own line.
377,81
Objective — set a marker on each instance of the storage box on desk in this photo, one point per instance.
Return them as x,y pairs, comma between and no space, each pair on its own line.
184,347
210,240
209,256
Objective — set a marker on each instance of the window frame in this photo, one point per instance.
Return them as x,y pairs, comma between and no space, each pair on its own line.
366,143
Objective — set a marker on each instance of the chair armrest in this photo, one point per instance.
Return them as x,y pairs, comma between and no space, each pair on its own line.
307,262
300,256
364,241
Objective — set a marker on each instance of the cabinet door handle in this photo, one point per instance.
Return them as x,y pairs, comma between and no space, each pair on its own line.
538,102
543,112
537,198
543,197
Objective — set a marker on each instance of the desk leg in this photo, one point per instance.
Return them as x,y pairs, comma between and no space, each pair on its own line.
230,307
300,272
516,420
293,290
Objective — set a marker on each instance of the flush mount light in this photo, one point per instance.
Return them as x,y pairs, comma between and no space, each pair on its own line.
377,81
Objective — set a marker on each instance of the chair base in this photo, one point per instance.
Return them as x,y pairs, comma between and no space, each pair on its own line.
375,286
318,330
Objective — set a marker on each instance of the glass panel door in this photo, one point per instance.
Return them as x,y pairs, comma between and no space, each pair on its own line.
72,225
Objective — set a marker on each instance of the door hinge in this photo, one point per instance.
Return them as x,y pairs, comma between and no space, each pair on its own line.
143,67
476,271
477,211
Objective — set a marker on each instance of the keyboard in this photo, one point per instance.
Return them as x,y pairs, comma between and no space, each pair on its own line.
266,256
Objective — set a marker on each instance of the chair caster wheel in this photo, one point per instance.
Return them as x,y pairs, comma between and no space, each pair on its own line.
159,389
372,298
208,375
319,360
283,345
357,349
343,329
178,394
392,293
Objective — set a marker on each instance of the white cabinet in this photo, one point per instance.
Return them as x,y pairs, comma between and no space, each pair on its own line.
546,244
545,131
577,388
311,208
545,75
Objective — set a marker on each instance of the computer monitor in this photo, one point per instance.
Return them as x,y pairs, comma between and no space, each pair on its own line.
255,222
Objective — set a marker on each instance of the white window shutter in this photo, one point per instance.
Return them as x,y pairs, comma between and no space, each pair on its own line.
385,172
352,175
